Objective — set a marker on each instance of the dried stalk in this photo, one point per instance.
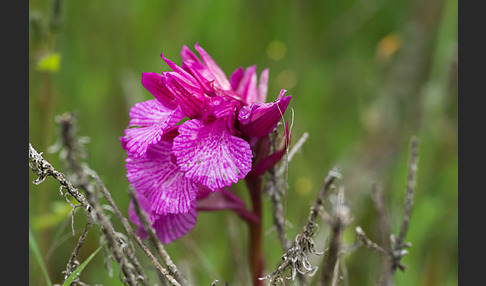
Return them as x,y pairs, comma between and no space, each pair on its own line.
155,241
296,257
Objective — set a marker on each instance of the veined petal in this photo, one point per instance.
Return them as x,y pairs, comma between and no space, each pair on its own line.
167,227
159,179
148,121
153,82
191,98
182,74
247,87
201,73
152,112
210,155
262,86
171,227
259,119
220,78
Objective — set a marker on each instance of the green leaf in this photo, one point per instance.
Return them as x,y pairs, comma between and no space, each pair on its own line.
49,62
35,248
80,268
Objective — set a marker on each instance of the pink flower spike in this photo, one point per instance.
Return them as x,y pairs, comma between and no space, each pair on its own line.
210,155
148,122
220,78
160,180
153,82
259,119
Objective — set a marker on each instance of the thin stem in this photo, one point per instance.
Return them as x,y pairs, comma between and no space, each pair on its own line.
255,244
155,241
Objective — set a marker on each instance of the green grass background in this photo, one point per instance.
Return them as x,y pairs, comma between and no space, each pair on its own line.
365,76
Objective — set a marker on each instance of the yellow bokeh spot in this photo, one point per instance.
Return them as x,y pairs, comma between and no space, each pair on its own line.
276,50
387,46
303,185
49,62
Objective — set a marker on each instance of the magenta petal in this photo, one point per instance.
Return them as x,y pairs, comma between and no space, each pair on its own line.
220,78
262,86
148,121
269,161
236,77
191,97
188,55
259,119
167,227
159,179
210,155
223,199
153,82
132,215
201,73
170,227
247,88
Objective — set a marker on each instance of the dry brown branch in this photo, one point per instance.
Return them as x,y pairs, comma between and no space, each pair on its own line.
296,257
94,212
119,248
71,148
155,241
398,243
338,220
43,169
73,263
392,256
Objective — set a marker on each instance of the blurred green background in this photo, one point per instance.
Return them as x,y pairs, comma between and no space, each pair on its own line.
365,76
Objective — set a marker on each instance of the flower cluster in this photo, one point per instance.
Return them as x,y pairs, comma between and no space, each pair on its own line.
196,138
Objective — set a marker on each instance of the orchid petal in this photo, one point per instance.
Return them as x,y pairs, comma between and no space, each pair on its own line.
159,179
247,87
220,78
188,55
148,122
201,73
170,227
262,86
210,155
259,119
236,77
167,227
191,97
153,82
223,199
269,161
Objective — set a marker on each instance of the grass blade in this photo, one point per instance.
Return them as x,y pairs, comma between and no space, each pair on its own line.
78,270
35,249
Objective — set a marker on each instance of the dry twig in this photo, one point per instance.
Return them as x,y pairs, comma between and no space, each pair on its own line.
296,257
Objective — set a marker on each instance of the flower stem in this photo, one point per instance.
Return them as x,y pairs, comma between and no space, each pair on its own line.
255,227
